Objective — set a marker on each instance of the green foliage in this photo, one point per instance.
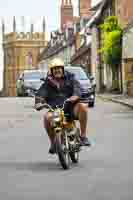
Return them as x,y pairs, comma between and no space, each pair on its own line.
112,47
110,24
112,35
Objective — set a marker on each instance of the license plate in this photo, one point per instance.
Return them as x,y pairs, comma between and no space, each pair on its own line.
85,95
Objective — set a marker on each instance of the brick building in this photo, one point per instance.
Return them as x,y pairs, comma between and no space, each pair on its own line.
124,11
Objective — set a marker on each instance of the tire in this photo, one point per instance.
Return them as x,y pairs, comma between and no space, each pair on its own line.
19,95
91,104
63,156
74,157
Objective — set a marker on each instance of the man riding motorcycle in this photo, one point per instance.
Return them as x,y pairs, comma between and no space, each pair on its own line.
59,86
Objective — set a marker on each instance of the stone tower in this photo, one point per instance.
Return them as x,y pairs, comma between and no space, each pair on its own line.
84,8
66,14
21,51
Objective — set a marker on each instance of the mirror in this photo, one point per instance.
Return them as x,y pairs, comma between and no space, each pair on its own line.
91,78
42,79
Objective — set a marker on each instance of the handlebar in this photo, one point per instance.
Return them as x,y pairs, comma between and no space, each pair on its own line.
45,105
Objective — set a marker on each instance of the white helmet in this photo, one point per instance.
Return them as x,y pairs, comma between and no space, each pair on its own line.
56,62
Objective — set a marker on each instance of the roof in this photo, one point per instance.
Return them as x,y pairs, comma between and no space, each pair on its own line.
51,50
95,15
80,52
82,49
96,6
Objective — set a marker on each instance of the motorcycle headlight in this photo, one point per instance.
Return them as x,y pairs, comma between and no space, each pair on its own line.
56,117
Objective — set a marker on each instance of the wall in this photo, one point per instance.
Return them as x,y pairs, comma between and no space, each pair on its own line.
127,58
84,6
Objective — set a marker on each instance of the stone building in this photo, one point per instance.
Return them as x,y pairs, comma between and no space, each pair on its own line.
82,58
124,11
82,55
101,71
21,51
127,60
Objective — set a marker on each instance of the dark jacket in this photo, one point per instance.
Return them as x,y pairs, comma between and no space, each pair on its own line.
54,95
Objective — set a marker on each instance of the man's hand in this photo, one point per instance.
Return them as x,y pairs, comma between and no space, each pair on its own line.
74,98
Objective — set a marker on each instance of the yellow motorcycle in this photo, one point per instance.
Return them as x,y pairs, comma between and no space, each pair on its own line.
67,136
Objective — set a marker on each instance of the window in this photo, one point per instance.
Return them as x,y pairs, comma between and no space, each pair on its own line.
130,69
32,75
79,73
29,59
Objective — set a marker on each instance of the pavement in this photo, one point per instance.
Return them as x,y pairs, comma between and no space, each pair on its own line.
28,172
117,98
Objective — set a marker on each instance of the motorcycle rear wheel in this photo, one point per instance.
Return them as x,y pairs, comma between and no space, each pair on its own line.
64,157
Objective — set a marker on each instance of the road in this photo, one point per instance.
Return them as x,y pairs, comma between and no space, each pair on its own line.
28,172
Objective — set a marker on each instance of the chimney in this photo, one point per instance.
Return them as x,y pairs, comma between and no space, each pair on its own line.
66,14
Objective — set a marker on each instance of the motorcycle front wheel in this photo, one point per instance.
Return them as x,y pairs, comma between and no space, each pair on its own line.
74,154
63,154
74,157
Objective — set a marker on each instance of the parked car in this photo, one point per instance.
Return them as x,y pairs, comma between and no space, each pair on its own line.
86,82
29,81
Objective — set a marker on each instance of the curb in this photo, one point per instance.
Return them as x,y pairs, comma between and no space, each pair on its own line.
115,101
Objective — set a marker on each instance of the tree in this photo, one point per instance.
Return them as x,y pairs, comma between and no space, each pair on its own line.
112,46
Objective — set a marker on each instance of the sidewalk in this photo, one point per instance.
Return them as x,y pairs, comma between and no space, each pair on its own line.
122,99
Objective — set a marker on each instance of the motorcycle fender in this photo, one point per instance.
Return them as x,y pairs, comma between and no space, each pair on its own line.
57,130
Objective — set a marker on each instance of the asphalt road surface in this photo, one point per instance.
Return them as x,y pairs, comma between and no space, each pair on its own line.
28,172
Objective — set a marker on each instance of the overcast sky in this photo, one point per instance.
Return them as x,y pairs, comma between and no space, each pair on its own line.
33,12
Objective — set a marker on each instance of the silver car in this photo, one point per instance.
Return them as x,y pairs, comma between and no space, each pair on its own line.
86,87
29,81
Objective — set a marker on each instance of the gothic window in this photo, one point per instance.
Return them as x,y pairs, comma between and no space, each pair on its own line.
17,60
9,58
29,59
130,69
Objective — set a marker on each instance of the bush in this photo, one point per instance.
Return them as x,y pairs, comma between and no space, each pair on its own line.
112,45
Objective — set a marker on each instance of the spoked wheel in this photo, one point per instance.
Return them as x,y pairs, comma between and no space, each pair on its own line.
74,155
63,154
